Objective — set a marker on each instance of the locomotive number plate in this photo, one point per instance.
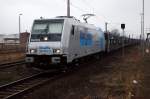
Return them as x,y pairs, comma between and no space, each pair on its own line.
45,50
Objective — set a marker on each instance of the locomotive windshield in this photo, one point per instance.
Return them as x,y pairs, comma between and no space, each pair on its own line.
47,30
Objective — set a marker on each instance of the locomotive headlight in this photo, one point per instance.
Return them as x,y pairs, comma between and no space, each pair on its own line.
57,51
32,50
45,38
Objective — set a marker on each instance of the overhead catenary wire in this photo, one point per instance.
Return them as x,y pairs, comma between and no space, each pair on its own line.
88,5
101,17
75,6
82,10
97,17
78,8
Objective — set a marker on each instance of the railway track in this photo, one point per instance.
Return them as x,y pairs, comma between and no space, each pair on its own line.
18,88
8,65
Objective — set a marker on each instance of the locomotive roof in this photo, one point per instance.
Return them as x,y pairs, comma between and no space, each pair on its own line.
71,19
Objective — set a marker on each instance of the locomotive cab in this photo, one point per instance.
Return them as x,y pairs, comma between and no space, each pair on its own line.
45,46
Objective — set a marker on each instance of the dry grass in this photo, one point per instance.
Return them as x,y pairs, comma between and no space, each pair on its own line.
11,57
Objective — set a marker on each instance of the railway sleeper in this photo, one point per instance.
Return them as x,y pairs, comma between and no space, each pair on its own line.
11,91
29,83
5,93
19,88
16,89
23,85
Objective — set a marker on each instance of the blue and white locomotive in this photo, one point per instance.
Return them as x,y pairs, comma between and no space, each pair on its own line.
61,40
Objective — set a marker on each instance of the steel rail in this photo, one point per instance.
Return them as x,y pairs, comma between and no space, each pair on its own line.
11,64
20,87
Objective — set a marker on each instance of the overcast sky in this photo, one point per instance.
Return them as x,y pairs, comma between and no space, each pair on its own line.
112,11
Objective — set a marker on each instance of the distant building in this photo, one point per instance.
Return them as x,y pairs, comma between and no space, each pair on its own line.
2,38
15,39
11,39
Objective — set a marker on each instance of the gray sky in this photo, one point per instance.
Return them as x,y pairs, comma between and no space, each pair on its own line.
112,11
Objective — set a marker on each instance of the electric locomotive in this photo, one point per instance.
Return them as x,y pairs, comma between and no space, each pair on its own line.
59,41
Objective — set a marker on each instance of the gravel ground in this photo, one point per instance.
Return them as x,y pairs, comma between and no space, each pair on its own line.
113,77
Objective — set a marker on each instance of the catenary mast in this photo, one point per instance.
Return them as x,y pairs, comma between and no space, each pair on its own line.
68,8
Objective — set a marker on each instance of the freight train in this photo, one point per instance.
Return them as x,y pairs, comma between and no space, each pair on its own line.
56,42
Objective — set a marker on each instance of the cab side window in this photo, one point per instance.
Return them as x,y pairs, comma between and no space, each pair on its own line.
72,29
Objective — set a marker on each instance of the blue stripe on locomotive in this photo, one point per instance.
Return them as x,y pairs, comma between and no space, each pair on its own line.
86,39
